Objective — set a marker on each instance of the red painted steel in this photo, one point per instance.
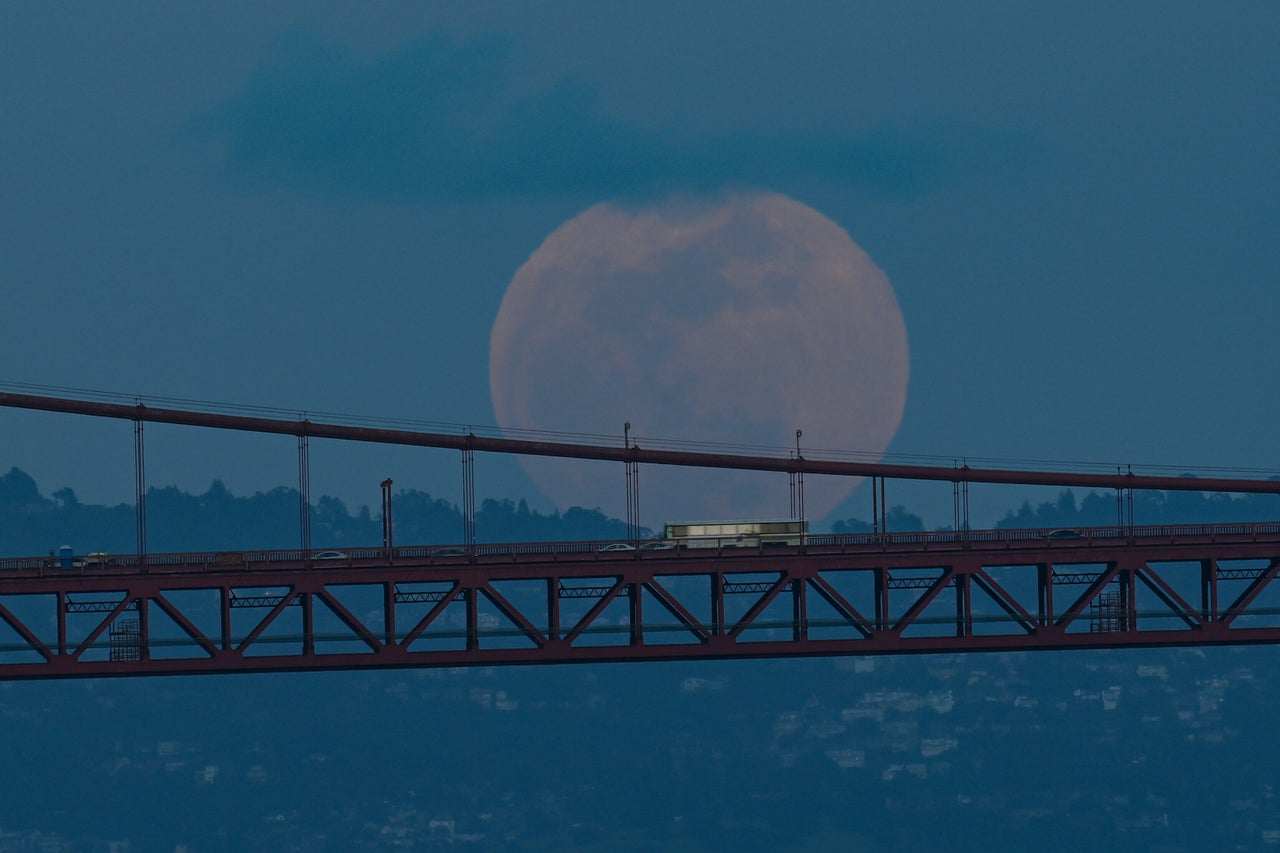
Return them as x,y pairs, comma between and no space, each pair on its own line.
571,603
789,463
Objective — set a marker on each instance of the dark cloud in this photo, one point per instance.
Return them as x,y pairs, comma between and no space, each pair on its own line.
443,119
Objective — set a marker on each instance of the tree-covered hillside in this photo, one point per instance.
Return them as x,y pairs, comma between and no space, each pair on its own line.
32,524
1100,509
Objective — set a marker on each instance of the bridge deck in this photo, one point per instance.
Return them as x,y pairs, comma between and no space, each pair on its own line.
574,602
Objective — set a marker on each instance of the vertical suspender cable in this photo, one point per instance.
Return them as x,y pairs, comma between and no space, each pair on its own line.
304,493
140,479
875,506
798,484
633,488
468,497
884,509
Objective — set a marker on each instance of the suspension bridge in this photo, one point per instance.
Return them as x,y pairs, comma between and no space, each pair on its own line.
479,604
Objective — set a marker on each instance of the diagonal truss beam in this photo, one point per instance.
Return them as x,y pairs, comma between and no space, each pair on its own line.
939,584
1250,593
1104,578
181,620
838,603
347,618
93,635
1169,596
678,611
591,615
756,609
517,618
25,633
417,631
285,600
1005,601
529,596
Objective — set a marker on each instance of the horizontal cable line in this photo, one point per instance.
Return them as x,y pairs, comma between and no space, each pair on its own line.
645,441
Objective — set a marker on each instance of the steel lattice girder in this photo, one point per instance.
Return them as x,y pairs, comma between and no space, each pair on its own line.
677,607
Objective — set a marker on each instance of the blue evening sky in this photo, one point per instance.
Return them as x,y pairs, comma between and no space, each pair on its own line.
318,207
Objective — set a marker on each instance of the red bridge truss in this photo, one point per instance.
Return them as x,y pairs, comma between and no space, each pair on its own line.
881,593
573,603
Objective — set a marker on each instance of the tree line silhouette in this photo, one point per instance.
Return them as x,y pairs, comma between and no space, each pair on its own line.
33,524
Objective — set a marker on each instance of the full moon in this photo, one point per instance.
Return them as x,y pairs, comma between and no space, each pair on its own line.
703,324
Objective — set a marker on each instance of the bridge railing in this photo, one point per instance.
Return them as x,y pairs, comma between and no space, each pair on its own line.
608,550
